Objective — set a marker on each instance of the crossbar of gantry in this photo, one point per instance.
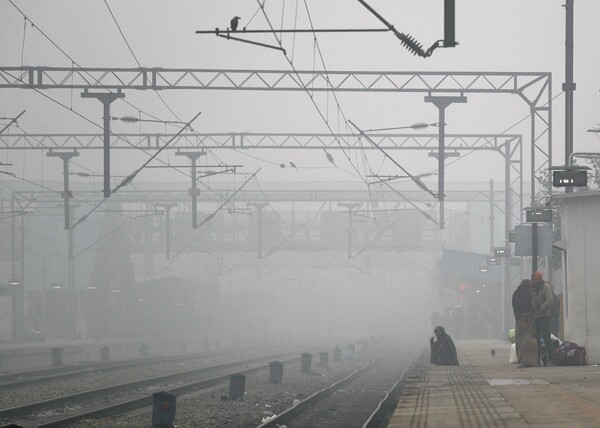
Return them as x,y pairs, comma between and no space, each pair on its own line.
534,88
181,196
507,145
256,140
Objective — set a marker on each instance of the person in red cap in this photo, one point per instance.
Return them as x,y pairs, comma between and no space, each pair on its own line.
543,298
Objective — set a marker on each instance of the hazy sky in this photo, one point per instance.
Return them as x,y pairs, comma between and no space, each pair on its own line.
508,35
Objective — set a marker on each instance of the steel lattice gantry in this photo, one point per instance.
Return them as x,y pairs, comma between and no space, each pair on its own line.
535,88
509,146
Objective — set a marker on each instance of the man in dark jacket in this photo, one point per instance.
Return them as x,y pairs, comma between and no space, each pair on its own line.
443,351
543,298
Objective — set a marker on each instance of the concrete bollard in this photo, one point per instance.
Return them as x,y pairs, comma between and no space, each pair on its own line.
305,362
348,353
337,355
275,371
237,384
104,354
56,355
163,410
323,359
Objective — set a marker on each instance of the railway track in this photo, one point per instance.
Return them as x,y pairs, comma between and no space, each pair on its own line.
361,400
20,379
74,407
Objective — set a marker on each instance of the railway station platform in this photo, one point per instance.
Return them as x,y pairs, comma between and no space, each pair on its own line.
487,391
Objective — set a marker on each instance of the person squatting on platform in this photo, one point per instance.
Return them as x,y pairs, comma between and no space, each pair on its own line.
443,351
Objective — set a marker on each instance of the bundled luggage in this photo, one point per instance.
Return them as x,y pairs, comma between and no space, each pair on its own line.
570,354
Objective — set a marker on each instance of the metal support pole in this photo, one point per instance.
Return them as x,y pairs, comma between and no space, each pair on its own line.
16,281
349,207
441,102
491,216
258,206
569,86
506,272
106,99
20,292
66,194
193,157
532,159
167,208
534,247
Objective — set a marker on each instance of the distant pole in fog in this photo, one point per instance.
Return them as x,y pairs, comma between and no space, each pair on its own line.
167,208
67,195
258,206
349,206
194,191
492,216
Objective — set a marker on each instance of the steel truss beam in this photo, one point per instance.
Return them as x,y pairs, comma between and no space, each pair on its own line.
508,145
249,140
181,196
535,88
155,78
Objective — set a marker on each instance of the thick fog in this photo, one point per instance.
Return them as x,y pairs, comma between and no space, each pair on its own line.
305,242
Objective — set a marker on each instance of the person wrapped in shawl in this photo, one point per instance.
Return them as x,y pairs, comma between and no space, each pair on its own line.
443,351
525,339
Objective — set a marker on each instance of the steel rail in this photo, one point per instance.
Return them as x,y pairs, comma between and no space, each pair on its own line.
309,402
84,369
31,408
137,403
375,419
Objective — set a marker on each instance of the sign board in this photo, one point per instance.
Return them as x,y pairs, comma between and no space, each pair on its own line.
501,252
492,261
511,236
523,240
569,178
538,215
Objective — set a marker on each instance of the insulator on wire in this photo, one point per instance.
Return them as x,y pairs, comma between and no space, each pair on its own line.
129,119
420,125
411,44
127,180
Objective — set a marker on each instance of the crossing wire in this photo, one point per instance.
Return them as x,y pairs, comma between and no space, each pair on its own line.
61,50
311,97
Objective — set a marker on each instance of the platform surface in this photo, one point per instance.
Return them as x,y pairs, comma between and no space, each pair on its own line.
487,391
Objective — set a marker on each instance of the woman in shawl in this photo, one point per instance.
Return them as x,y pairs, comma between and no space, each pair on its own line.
525,340
443,351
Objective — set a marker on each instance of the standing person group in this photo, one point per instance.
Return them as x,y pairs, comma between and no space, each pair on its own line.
543,297
532,302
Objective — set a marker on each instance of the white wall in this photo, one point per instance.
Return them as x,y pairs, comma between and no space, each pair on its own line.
581,234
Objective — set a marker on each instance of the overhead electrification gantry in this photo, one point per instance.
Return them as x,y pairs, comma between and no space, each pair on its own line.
534,88
509,146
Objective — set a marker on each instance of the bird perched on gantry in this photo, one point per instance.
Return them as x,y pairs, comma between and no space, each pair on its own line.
234,23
